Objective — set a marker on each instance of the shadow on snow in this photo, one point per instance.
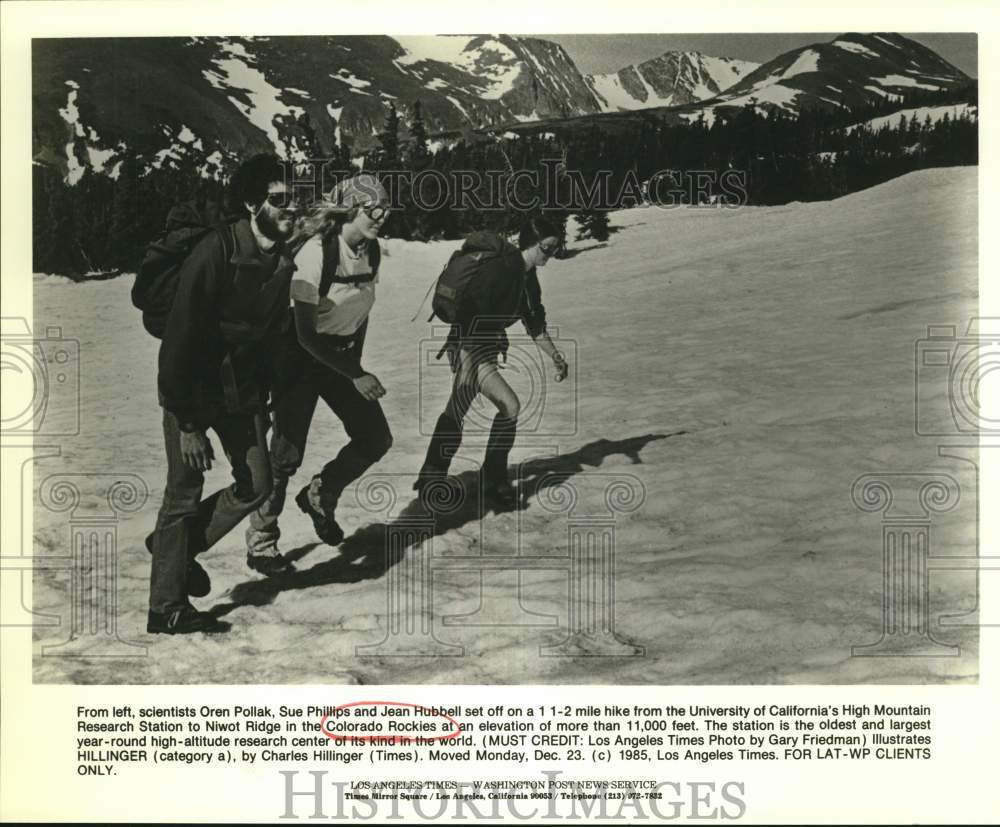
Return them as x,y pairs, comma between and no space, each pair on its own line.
363,555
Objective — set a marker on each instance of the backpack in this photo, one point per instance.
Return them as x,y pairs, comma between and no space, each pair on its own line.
331,258
157,277
467,283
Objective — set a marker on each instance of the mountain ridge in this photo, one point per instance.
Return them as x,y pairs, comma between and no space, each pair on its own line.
675,78
209,101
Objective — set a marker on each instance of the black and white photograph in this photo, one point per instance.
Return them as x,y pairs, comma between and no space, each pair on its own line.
525,412
503,359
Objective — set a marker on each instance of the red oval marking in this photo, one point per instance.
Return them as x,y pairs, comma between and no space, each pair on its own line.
395,738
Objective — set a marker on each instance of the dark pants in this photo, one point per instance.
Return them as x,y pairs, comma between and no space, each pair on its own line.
367,430
188,525
469,365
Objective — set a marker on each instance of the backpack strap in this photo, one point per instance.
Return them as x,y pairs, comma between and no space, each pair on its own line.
227,234
331,259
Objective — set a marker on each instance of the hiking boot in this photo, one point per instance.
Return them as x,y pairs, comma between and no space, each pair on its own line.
199,584
500,493
271,565
437,491
444,444
498,490
326,528
426,476
182,621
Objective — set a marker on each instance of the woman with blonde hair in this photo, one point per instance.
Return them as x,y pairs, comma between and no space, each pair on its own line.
332,292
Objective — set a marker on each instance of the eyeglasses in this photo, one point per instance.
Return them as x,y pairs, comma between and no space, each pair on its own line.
549,250
281,200
375,212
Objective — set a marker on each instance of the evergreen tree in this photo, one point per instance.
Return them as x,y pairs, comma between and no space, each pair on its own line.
593,224
62,257
419,155
127,211
387,157
41,227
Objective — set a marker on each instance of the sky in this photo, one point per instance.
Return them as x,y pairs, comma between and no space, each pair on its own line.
599,53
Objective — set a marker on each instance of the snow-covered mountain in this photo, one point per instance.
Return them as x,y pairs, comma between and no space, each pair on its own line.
672,79
200,101
171,98
850,71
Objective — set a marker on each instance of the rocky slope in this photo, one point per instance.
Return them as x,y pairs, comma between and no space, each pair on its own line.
672,79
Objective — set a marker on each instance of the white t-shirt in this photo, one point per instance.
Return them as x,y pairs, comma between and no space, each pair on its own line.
344,309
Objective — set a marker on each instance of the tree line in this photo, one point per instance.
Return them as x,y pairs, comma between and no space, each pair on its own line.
103,224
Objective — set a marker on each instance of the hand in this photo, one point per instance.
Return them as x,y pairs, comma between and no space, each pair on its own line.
196,450
562,366
369,387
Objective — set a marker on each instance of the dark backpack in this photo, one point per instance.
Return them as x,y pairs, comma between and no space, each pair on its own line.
468,284
331,258
157,278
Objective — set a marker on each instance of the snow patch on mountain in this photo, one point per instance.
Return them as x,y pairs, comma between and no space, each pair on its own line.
335,112
70,113
806,62
344,76
856,48
97,157
880,91
610,91
186,136
935,113
691,76
490,60
777,94
212,168
652,98
454,101
172,152
444,49
726,71
503,76
903,80
236,71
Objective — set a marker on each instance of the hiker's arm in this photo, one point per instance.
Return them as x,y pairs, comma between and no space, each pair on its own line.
183,339
319,347
549,349
531,307
533,314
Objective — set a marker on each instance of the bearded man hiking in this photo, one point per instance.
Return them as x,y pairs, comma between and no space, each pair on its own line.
231,296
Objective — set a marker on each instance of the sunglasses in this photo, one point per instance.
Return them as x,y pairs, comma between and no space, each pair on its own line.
375,213
549,250
281,200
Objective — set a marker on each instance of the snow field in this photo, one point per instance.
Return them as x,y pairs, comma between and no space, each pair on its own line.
745,365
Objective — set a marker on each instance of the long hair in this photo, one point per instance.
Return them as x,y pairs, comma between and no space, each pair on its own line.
324,219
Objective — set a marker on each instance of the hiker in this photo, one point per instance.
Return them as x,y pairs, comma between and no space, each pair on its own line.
333,291
504,289
231,298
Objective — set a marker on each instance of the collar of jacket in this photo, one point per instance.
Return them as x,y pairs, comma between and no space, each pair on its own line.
246,253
